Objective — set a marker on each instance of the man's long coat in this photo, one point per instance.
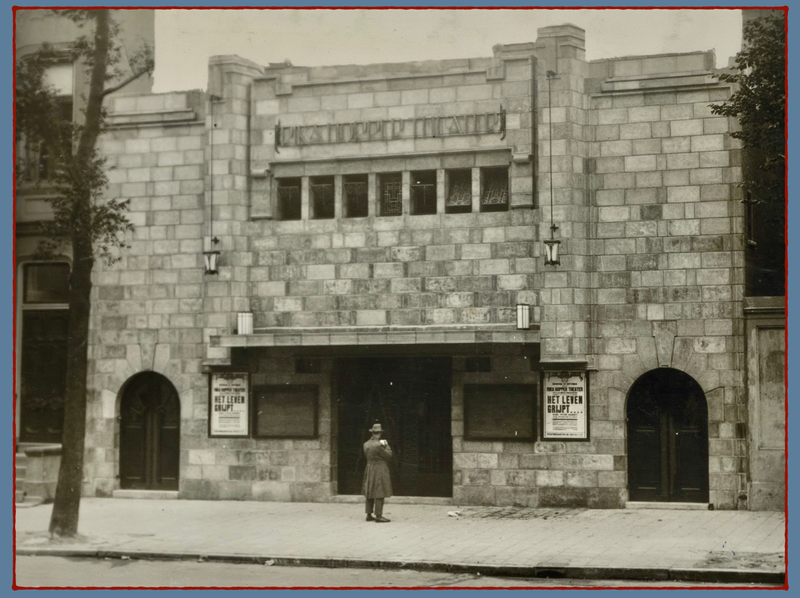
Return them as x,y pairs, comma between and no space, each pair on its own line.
377,481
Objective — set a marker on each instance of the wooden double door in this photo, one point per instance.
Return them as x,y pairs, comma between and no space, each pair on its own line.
410,397
667,419
150,417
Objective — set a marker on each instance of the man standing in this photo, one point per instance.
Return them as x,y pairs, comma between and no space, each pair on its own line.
377,481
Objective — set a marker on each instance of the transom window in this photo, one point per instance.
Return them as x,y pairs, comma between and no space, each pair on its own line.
46,283
416,192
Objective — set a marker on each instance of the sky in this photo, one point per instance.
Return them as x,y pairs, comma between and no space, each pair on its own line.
185,39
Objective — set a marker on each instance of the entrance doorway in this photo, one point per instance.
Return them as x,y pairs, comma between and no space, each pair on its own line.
410,396
667,438
149,448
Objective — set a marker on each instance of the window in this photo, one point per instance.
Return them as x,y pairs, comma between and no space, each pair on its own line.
391,194
423,192
286,411
494,189
46,283
459,192
500,412
354,189
322,197
40,161
43,351
289,199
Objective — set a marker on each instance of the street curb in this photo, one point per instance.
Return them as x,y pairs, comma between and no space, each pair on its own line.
541,571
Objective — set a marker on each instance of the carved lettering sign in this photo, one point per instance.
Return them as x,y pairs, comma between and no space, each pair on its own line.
397,128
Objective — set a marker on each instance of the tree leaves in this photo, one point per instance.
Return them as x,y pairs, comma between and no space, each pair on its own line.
80,210
759,104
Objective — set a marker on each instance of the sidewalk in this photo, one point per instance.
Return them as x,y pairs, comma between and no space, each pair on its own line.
711,546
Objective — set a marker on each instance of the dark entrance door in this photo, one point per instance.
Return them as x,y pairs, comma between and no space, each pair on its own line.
667,438
44,374
410,396
149,454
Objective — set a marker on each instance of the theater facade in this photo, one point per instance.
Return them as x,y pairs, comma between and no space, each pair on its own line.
320,248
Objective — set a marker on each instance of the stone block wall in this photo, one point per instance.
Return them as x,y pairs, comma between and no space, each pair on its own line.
268,469
391,270
643,178
147,310
667,249
565,289
227,184
534,474
410,270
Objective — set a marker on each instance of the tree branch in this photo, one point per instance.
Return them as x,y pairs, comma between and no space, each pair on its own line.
91,130
130,79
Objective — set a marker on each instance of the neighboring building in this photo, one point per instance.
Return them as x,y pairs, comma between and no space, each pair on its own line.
380,233
764,308
41,311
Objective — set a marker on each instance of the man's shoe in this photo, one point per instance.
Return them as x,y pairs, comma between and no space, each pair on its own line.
380,519
370,517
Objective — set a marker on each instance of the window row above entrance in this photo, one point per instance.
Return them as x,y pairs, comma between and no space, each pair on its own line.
419,192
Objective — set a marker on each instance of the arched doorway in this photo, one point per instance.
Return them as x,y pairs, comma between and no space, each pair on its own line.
667,419
149,448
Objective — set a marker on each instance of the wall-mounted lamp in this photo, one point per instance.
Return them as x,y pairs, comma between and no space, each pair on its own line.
211,258
551,257
523,316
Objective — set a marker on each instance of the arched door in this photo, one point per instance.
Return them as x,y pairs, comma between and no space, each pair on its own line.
667,419
149,452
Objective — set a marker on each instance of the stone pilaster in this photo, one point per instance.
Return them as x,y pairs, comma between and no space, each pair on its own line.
227,196
565,292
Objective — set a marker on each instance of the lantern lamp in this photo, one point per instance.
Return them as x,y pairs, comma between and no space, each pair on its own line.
551,257
211,258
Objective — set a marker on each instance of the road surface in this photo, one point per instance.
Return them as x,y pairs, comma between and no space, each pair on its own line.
42,571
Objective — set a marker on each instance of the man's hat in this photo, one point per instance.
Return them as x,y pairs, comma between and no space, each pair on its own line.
376,427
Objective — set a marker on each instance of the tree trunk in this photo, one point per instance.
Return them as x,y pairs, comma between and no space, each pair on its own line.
94,103
64,519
